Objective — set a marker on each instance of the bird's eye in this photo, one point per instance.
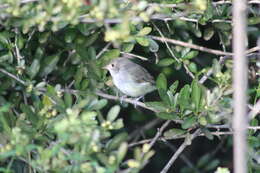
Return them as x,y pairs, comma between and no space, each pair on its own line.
112,65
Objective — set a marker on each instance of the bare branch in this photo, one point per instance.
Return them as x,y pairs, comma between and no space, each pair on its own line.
216,133
240,119
12,76
190,45
186,143
127,100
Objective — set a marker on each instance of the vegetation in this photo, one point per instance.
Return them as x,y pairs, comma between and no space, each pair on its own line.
59,111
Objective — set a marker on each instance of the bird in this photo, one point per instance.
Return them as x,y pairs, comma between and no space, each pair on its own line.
130,78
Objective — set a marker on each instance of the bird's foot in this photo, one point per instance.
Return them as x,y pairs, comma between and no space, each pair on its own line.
137,99
122,99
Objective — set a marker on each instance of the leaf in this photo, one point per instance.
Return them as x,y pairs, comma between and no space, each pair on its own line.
196,93
222,26
167,116
113,113
191,54
143,41
188,122
49,64
127,47
161,82
68,99
28,111
166,62
208,33
160,106
34,68
193,67
164,96
184,97
173,133
116,141
208,134
99,104
174,87
144,31
254,20
153,46
121,153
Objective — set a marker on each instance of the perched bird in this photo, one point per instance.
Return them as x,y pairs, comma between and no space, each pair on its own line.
130,78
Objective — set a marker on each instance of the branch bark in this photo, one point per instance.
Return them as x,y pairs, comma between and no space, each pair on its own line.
240,120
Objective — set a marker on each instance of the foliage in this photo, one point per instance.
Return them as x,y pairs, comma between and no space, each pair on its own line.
51,58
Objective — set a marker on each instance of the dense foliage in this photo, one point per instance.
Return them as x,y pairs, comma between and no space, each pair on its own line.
60,111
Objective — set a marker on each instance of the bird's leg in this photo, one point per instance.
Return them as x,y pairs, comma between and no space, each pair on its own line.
137,99
122,98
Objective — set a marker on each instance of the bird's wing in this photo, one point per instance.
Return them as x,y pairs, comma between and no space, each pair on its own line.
140,74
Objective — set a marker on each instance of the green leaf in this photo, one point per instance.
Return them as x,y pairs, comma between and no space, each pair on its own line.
160,106
161,82
127,47
143,41
173,133
184,98
99,104
222,26
196,93
113,113
193,67
68,99
208,134
144,31
191,54
174,87
49,64
153,46
167,116
121,153
166,62
116,141
208,33
34,68
164,96
188,122
28,111
254,20
70,35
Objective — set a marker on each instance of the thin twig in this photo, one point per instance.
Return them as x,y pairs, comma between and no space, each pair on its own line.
186,143
190,45
147,126
134,55
12,76
182,156
134,102
171,52
159,133
103,50
216,133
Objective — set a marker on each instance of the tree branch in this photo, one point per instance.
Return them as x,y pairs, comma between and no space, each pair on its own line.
13,76
186,143
127,100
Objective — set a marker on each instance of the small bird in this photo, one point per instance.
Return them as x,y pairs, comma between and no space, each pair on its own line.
130,78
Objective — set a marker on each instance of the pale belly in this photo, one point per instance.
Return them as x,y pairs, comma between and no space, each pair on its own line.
132,88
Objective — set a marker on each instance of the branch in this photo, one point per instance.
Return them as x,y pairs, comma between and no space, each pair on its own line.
13,76
190,45
240,68
127,100
216,133
186,143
